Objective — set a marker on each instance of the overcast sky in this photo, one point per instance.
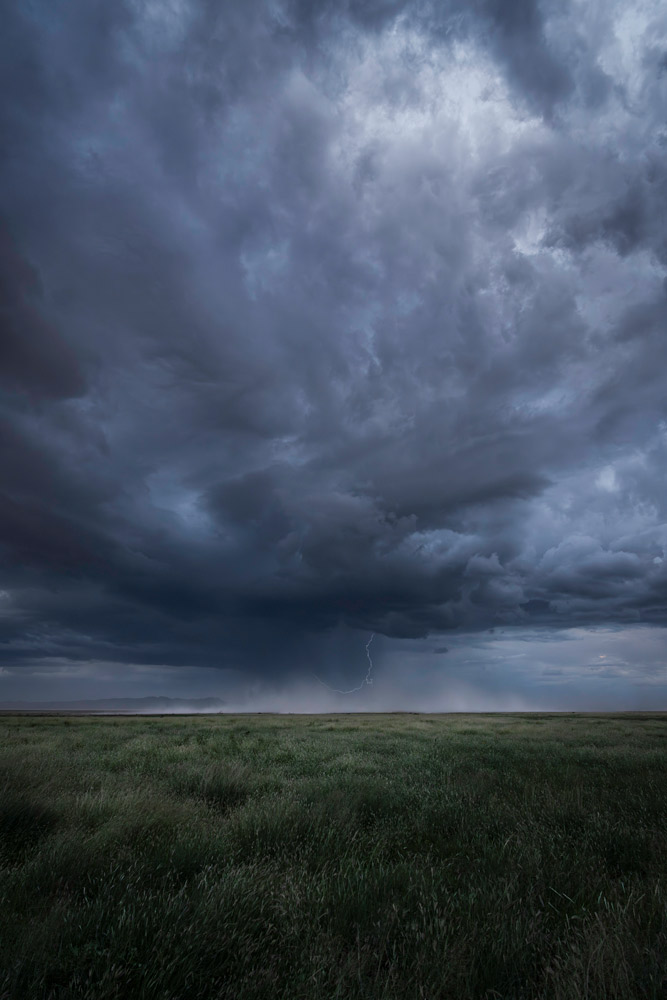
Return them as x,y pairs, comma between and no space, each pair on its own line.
325,319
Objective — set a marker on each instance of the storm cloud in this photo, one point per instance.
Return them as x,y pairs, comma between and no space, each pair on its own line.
326,319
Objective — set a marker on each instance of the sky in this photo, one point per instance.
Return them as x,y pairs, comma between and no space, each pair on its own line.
323,321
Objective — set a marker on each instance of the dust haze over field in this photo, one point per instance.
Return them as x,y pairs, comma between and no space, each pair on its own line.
324,320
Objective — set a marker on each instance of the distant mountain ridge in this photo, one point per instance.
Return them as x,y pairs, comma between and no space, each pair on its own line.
134,705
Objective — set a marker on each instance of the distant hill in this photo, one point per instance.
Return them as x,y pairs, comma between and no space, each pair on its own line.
132,705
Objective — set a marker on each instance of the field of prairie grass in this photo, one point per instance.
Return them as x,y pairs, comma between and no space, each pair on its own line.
297,857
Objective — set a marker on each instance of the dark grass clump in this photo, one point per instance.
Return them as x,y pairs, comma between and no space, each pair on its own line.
515,857
23,823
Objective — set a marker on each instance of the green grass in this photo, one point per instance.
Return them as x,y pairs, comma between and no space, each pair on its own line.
334,856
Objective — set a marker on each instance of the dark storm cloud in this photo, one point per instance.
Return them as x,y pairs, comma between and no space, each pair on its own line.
318,314
33,356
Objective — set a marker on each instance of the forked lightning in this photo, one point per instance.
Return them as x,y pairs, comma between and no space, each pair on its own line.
367,679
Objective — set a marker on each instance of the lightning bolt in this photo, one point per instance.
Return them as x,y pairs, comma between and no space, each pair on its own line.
367,679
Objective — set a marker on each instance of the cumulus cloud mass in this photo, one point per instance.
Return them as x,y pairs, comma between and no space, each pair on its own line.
324,319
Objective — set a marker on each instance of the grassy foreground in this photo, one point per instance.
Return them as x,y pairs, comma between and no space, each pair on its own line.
333,856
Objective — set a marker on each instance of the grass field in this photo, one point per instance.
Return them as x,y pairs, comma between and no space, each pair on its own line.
497,856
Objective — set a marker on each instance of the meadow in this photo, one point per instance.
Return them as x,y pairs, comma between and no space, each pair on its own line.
365,856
